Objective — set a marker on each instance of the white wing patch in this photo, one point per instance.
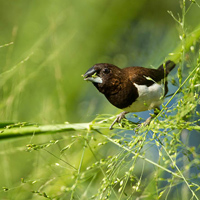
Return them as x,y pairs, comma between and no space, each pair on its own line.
149,98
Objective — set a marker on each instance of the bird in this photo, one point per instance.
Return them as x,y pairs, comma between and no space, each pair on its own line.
131,89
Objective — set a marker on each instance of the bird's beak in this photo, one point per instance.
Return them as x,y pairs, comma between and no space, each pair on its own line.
91,75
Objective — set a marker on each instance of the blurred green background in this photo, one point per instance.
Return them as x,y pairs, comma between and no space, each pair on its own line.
62,39
50,44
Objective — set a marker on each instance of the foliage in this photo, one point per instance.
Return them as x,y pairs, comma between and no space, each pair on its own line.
42,63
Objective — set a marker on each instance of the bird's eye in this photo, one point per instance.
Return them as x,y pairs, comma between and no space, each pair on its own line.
106,70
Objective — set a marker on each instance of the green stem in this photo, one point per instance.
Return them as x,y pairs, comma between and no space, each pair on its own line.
177,91
6,133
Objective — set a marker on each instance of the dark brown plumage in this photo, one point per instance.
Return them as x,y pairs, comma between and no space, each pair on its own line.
131,89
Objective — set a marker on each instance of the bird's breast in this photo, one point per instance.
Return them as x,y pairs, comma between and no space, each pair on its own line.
125,94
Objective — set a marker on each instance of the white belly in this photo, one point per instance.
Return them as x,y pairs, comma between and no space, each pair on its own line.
149,98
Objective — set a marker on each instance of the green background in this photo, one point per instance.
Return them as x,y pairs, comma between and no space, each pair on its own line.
62,39
50,44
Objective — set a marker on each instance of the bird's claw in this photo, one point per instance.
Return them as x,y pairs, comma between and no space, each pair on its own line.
118,119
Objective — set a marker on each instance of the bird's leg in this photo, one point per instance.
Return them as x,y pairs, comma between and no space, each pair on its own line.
148,120
119,118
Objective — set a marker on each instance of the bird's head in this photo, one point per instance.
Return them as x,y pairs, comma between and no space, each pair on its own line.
104,76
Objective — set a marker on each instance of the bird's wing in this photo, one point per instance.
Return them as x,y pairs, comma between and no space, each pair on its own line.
143,76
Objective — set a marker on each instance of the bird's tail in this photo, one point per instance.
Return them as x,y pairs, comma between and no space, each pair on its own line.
167,67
